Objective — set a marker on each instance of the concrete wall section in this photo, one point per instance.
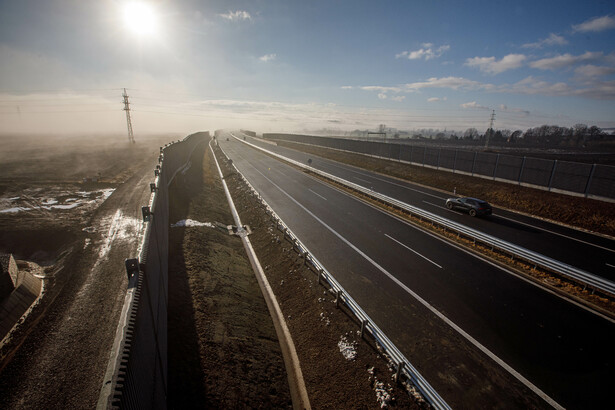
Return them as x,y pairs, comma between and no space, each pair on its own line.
137,374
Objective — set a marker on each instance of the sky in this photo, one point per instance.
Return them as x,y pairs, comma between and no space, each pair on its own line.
304,66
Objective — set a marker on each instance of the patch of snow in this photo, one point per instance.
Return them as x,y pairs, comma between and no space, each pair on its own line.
14,210
106,193
383,394
347,349
191,222
120,227
324,318
14,198
87,243
50,201
65,206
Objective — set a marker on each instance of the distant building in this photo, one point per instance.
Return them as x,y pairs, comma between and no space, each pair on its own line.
8,274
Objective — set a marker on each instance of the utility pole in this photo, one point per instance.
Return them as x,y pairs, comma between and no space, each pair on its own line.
131,137
490,130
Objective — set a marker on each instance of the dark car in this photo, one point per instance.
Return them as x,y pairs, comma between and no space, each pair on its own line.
473,206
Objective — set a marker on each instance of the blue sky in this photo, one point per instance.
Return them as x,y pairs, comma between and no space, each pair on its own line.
304,65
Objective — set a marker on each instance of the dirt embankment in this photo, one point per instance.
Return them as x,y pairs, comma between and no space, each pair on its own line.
223,351
589,214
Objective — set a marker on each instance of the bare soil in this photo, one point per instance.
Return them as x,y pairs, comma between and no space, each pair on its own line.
57,356
589,214
223,351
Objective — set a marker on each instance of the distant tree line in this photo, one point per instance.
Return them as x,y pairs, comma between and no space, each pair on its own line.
545,135
577,136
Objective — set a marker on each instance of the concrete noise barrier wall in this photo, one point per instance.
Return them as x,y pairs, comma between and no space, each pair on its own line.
574,178
137,374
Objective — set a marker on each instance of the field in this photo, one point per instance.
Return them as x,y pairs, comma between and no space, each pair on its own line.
70,213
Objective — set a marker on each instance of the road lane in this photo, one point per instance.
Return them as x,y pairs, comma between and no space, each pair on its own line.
558,346
593,253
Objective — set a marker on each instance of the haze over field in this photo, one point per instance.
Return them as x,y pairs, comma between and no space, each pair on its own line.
279,65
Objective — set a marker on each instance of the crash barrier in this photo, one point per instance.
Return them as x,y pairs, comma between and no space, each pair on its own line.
405,371
515,252
574,178
136,376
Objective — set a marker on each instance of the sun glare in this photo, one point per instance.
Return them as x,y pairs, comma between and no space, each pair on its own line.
140,18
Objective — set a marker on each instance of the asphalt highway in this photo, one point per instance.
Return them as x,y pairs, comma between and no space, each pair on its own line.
396,272
584,250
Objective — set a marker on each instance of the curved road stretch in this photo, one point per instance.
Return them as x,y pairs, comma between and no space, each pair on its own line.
564,350
592,253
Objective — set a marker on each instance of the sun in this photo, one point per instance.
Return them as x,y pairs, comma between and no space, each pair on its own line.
140,18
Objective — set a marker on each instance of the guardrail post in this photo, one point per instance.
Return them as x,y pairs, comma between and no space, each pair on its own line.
474,161
400,367
363,325
337,299
495,169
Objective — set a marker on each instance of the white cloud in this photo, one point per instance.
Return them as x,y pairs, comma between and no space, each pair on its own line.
398,98
492,66
268,57
596,90
473,105
382,96
565,60
595,24
552,40
381,89
238,15
436,99
454,83
347,87
426,52
593,71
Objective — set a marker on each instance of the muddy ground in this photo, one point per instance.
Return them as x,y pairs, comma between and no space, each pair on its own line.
590,214
80,233
51,185
223,351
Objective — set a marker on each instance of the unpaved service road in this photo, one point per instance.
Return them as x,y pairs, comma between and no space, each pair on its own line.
66,341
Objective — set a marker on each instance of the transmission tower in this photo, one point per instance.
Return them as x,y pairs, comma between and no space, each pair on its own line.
490,130
131,137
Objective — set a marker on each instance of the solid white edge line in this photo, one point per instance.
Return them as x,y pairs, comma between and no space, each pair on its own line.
412,250
435,311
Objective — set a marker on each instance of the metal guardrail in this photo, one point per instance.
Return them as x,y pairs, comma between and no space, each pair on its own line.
403,366
531,257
